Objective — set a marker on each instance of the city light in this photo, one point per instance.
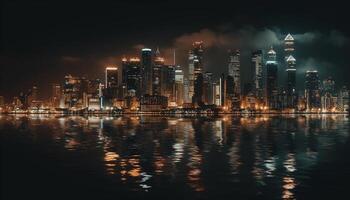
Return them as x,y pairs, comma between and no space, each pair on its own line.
146,84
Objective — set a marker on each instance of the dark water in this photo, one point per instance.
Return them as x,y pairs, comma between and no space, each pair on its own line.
263,157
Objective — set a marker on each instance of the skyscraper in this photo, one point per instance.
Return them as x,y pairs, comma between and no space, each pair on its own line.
168,82
230,86
190,79
288,46
258,74
111,84
312,90
208,88
198,57
222,84
56,95
343,99
329,86
291,91
147,68
187,98
132,76
198,51
197,98
291,83
179,86
72,91
111,77
158,65
271,79
218,89
234,68
35,93
328,95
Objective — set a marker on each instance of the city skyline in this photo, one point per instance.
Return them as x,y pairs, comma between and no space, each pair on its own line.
169,99
92,40
283,68
146,83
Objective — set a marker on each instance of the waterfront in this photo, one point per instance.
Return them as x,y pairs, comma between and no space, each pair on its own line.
138,157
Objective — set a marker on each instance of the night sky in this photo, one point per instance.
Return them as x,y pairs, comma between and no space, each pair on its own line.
41,41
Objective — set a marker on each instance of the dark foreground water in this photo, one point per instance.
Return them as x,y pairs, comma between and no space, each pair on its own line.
262,157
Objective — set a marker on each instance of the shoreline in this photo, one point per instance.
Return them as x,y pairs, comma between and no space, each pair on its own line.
177,114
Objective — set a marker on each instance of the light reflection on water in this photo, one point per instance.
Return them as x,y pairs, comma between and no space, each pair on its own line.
148,153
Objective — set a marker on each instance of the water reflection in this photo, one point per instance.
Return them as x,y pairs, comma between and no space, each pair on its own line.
148,154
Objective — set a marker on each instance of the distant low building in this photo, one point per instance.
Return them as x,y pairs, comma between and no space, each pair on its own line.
343,99
94,104
153,103
131,103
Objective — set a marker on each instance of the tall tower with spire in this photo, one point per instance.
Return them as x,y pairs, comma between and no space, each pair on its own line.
288,46
195,72
291,71
158,65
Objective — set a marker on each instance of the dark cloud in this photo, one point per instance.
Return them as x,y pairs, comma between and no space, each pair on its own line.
312,50
338,38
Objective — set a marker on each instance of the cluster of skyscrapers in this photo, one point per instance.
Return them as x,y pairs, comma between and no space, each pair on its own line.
146,83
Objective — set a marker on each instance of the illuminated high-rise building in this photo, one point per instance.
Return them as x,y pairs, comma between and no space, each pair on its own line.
258,74
147,68
219,89
234,68
168,82
56,90
35,93
271,80
73,89
312,90
198,51
179,86
32,95
93,87
190,74
291,83
132,76
197,98
222,83
328,86
195,69
56,95
158,65
93,98
343,99
111,82
288,46
187,98
291,91
328,95
111,77
230,93
208,92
